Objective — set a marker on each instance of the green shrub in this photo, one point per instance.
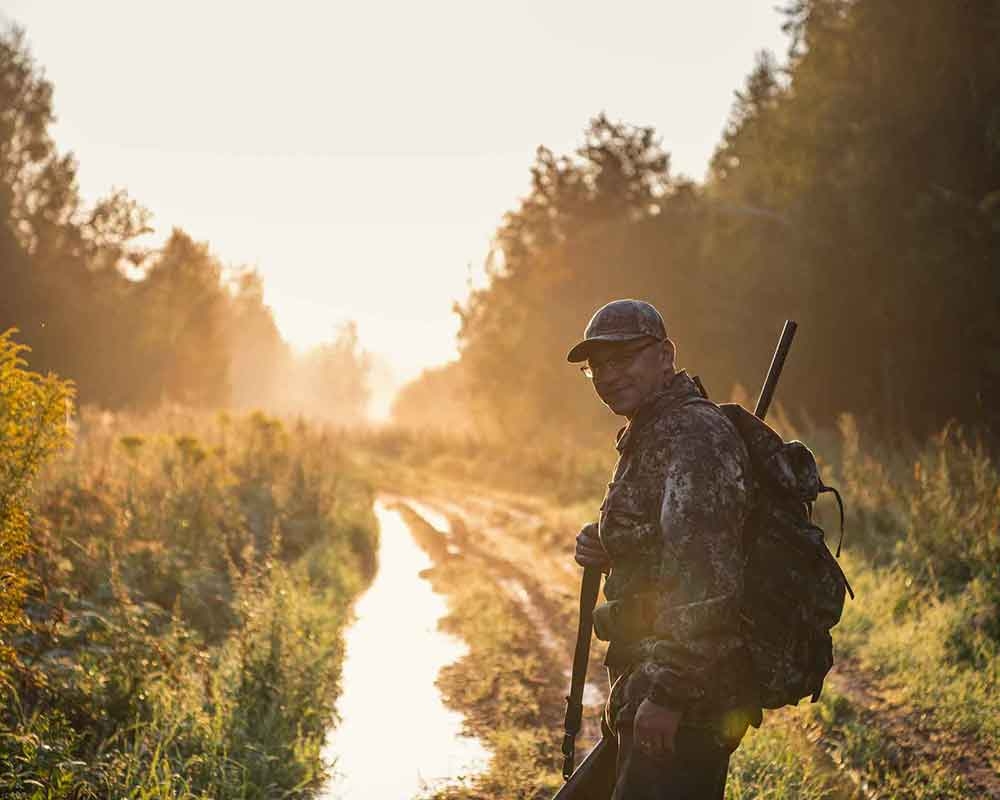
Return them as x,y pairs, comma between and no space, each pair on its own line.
33,414
191,578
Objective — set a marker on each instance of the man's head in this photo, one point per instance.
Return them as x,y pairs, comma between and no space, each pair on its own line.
628,354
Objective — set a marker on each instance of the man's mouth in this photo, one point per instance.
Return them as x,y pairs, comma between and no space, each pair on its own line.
616,391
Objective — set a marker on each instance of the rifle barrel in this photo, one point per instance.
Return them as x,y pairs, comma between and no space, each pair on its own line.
589,588
774,371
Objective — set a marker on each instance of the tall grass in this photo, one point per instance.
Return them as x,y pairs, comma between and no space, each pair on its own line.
190,577
926,566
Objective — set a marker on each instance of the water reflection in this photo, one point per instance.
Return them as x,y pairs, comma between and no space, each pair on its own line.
432,516
396,738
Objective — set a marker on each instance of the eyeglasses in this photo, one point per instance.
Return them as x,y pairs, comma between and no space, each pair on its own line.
616,363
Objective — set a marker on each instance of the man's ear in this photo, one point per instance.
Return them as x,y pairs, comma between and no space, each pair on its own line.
670,350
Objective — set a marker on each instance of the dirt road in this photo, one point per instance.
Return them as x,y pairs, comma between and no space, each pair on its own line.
510,543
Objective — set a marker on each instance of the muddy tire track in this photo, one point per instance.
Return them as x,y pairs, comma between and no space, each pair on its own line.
549,610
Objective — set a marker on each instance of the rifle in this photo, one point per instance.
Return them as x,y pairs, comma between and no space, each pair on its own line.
595,777
774,371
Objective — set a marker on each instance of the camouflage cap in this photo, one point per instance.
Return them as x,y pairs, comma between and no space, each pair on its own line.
619,321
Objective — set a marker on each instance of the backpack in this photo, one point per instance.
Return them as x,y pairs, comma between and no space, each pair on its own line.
794,588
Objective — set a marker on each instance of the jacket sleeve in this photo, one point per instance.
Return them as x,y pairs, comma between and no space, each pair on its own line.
704,508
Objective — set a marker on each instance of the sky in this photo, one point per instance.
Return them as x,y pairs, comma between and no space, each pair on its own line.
360,155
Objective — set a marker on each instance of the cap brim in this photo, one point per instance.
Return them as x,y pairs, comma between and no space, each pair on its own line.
581,350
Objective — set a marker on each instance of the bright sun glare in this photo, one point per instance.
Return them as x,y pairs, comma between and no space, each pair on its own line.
361,156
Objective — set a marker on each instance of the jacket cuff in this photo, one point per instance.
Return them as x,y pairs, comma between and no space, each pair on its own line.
667,699
669,690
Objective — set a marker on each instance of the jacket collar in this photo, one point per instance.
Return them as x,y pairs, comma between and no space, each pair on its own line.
680,388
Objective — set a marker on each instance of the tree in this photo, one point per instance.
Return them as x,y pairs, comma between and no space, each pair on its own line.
511,331
259,359
333,382
186,311
437,398
60,262
857,189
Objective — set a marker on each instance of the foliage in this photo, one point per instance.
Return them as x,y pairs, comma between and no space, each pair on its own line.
334,379
136,326
854,189
932,510
190,579
437,400
566,475
33,414
924,563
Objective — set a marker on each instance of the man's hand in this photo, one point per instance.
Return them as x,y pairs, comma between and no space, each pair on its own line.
589,550
654,728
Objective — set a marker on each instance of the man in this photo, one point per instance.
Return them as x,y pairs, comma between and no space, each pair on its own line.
670,537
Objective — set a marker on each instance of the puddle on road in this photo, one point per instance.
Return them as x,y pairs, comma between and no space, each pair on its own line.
396,738
431,516
437,521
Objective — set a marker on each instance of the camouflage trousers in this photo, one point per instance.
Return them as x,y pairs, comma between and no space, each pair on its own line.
696,770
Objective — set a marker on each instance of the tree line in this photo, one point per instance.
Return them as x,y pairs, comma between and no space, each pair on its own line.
136,326
856,188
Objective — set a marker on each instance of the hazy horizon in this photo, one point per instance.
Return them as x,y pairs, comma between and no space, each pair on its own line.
386,141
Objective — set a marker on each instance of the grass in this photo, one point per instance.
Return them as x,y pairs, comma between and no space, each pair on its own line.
931,653
190,579
778,762
880,764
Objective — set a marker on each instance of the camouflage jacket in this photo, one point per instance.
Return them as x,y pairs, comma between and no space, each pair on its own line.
672,522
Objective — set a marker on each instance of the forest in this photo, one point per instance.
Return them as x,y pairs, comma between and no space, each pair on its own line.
136,327
856,189
186,501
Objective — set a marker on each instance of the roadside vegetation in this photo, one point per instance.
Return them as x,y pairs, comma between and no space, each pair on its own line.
183,584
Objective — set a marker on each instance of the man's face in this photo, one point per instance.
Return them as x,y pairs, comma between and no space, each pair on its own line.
627,374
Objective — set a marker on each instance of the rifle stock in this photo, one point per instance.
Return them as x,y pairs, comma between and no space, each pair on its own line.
594,779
